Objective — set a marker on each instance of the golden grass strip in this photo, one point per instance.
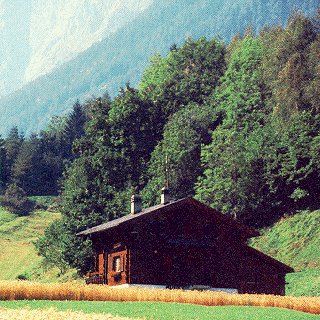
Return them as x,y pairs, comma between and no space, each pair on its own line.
20,290
52,314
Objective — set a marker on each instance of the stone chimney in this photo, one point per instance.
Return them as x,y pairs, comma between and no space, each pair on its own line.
165,197
136,205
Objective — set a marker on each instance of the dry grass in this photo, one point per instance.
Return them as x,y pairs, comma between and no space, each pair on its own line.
52,314
19,290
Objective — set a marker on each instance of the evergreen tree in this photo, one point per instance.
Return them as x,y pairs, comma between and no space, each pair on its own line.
12,146
56,144
74,128
15,200
3,166
26,170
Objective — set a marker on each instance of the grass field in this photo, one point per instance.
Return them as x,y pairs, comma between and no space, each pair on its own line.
18,256
162,311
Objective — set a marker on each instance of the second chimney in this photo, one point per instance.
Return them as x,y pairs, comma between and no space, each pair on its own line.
136,205
165,197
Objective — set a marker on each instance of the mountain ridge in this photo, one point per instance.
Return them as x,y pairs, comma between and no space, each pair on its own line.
91,21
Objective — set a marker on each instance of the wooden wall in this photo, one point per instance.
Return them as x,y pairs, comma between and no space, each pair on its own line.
184,251
220,268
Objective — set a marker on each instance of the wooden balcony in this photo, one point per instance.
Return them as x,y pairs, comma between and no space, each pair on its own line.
94,278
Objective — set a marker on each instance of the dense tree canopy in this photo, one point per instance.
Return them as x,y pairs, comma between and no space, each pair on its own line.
36,163
232,177
188,74
179,152
239,125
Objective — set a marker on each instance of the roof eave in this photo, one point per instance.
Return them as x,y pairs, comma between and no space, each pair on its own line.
276,262
248,232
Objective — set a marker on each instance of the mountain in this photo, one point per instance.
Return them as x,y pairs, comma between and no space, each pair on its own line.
123,54
61,29
14,44
39,35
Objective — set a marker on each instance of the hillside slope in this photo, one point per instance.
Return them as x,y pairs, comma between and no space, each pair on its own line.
295,240
122,56
17,256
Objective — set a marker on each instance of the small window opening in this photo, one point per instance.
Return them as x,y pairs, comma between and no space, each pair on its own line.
116,265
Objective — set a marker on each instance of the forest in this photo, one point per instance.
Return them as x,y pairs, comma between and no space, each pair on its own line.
239,124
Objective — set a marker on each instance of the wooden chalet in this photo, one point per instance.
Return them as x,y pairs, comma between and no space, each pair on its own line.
182,244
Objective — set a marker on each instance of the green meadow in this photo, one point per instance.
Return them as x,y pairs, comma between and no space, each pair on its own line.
166,311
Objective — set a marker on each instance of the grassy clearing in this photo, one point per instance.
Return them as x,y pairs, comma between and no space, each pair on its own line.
18,256
45,202
25,290
26,228
306,282
163,311
295,240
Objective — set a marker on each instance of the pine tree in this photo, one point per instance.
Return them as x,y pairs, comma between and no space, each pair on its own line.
3,166
12,145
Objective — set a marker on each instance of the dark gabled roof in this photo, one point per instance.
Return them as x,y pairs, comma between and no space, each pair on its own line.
170,206
270,260
128,217
249,232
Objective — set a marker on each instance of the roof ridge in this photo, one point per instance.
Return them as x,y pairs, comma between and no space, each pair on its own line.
127,217
246,231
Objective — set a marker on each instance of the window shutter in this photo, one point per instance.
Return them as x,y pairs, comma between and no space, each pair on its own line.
101,263
122,263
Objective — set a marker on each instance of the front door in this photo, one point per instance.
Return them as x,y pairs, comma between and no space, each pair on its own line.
117,268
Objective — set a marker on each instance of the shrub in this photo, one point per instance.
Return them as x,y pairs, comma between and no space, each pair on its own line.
23,276
16,200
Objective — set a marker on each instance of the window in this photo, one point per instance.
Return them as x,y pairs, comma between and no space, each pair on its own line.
116,264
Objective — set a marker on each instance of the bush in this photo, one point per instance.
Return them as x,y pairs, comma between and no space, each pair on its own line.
23,276
50,203
16,200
